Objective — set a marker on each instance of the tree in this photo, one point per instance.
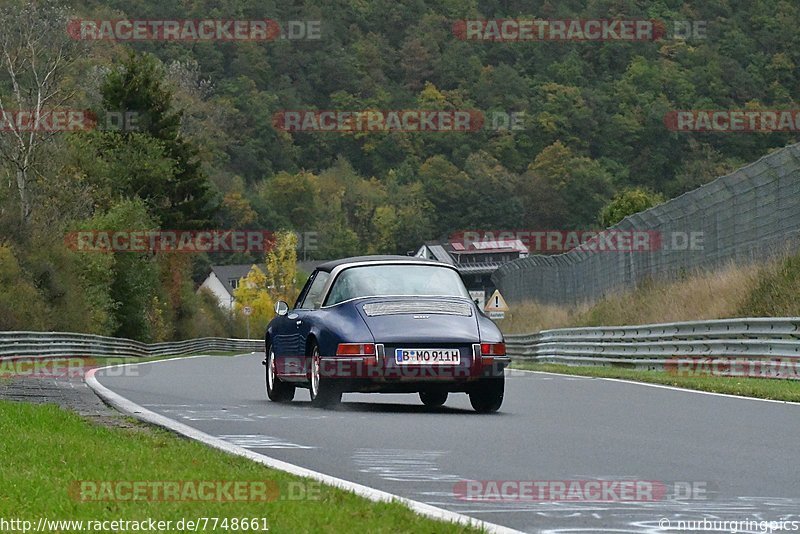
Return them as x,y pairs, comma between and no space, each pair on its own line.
447,187
121,167
626,203
36,52
262,287
253,292
281,267
569,187
183,200
404,223
295,198
237,211
137,298
17,289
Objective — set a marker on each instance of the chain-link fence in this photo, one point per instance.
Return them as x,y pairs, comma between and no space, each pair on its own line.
747,215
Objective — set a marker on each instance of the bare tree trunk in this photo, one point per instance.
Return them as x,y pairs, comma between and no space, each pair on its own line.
35,51
24,207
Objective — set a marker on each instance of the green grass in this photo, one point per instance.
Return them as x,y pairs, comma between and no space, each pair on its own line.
762,388
46,449
776,291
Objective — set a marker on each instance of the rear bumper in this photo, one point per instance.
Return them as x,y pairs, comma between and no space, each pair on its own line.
382,369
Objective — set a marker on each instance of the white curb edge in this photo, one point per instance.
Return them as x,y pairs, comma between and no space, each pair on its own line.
660,386
131,408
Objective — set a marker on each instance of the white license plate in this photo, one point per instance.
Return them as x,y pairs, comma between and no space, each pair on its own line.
427,356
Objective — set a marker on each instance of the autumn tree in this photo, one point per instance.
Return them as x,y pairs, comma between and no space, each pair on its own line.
281,267
253,292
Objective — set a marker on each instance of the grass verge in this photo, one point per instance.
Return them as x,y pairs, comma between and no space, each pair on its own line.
45,450
762,388
697,296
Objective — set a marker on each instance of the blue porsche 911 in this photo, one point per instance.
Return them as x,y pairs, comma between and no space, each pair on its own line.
385,324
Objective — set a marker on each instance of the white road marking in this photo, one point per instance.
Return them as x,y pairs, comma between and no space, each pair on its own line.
258,441
293,417
403,465
208,415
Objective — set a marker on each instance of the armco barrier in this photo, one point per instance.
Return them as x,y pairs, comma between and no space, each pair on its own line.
64,344
650,346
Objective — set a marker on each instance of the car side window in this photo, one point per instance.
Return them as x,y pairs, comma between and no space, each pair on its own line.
313,297
304,291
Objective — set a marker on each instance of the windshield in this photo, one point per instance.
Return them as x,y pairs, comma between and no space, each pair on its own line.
377,280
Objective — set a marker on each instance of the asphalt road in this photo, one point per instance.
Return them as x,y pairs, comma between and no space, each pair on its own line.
740,455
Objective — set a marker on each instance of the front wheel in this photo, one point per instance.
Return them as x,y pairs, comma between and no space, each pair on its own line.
324,390
487,397
277,391
433,399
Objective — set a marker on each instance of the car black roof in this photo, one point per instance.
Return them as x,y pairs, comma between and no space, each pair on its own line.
330,265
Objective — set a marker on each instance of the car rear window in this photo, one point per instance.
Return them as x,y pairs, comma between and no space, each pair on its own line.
401,280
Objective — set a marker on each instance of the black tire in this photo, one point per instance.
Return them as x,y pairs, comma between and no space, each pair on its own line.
277,391
325,392
433,399
487,397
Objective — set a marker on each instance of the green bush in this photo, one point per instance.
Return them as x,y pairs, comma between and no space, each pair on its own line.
626,203
22,307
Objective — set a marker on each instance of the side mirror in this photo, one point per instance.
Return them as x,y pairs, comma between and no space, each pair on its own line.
281,308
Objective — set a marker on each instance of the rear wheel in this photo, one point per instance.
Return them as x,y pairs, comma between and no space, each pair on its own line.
433,399
487,397
277,391
324,390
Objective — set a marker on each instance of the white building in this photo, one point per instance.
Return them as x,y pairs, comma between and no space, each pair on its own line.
222,280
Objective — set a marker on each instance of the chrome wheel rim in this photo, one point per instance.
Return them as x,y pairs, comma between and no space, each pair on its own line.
315,372
271,370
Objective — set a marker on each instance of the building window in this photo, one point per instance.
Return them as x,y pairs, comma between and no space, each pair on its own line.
234,283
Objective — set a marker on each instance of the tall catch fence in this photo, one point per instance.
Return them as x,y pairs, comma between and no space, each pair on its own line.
748,215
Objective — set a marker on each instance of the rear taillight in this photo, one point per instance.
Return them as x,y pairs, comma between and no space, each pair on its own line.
356,349
490,350
493,349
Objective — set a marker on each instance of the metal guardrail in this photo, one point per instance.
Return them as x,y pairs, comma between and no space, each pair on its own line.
65,344
650,346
